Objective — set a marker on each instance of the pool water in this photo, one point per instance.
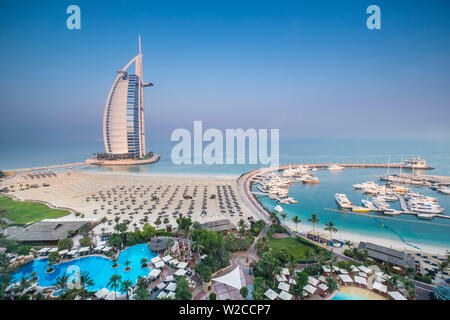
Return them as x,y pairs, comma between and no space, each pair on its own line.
99,268
345,296
354,293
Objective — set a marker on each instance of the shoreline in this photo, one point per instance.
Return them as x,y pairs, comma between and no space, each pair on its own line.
356,238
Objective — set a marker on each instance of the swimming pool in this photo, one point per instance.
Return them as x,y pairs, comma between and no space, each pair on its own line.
354,293
99,268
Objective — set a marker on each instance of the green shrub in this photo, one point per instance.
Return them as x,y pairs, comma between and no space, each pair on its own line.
65,243
425,278
212,296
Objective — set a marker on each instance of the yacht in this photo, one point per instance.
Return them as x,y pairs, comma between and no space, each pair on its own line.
392,212
388,197
415,163
334,167
369,205
399,189
426,216
445,190
380,203
343,201
311,180
366,185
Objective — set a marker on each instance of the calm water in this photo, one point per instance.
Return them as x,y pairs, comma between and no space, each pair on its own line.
315,198
345,296
99,268
437,153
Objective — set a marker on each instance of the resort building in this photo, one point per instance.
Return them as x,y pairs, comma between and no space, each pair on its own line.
44,231
223,226
384,254
123,119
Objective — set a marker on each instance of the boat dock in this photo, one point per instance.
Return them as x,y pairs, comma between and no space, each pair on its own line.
392,218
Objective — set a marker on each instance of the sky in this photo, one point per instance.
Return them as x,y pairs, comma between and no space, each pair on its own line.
308,68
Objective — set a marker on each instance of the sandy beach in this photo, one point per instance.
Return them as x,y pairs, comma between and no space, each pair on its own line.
133,196
356,238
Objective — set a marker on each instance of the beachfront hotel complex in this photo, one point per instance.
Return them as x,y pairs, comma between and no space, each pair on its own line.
123,119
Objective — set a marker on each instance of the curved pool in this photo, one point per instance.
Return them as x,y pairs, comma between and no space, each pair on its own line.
355,293
99,268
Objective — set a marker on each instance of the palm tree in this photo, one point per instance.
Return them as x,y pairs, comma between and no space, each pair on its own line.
276,270
308,255
283,216
313,220
170,243
61,282
125,286
274,218
296,220
114,283
3,213
197,247
24,283
330,227
85,280
127,263
114,260
241,225
144,262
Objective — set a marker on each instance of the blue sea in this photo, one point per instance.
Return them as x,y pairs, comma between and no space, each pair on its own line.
312,198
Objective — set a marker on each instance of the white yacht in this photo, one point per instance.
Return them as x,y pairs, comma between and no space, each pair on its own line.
369,205
415,163
343,201
445,190
334,167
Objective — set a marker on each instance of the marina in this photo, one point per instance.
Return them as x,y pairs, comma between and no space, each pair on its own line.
366,222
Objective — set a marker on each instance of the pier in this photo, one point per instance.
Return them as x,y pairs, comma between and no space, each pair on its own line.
45,168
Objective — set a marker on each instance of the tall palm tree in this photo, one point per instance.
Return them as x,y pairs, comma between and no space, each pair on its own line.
330,226
296,220
125,286
276,270
144,262
114,283
313,220
283,216
127,263
241,225
308,255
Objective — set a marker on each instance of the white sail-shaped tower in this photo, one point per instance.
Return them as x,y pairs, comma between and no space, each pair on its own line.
123,119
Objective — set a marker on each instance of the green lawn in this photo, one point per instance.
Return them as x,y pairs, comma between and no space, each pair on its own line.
294,247
25,212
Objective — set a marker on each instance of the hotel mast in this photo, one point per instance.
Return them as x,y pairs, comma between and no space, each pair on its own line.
123,118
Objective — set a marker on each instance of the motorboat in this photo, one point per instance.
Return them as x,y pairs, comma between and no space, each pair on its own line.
334,167
343,201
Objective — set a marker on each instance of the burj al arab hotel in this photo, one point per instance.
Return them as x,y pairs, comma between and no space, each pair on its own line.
123,118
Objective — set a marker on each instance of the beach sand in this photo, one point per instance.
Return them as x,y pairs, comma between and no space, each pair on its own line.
85,192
